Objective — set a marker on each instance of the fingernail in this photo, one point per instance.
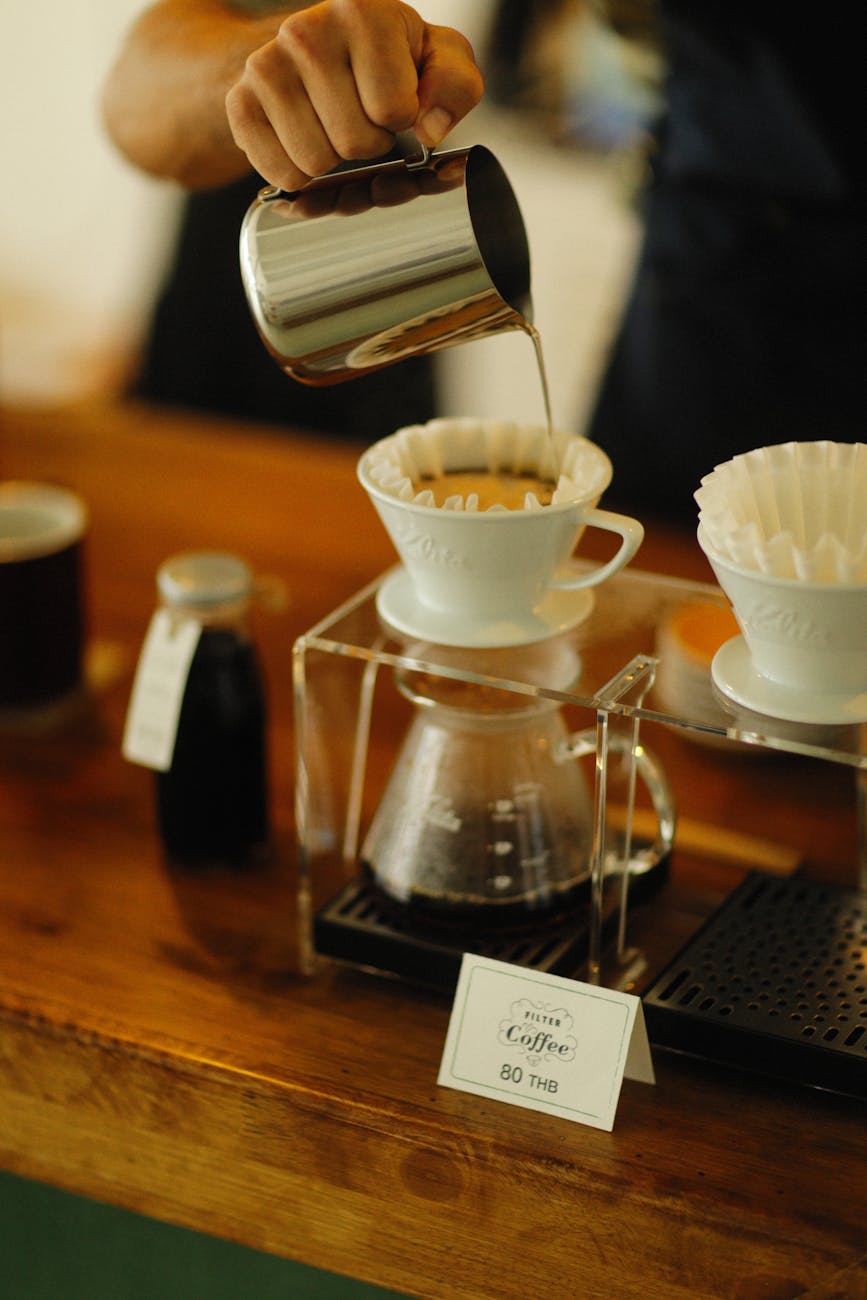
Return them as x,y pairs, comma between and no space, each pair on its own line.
435,124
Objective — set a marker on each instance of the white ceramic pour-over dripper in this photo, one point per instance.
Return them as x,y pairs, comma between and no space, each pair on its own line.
803,653
785,530
494,577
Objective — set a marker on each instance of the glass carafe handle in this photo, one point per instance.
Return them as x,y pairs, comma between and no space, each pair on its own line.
583,743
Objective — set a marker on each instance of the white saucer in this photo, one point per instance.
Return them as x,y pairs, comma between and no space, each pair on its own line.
558,612
733,673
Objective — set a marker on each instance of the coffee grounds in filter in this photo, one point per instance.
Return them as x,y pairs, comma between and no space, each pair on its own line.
416,461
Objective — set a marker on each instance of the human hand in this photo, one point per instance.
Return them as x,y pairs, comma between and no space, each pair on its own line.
340,79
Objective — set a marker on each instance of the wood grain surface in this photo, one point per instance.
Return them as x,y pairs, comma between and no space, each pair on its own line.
159,1050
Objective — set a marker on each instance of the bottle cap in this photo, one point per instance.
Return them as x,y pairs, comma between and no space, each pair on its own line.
204,579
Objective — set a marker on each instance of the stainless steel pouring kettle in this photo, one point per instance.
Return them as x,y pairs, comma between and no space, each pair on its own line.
366,266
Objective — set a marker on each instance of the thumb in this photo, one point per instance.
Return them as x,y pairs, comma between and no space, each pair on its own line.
450,83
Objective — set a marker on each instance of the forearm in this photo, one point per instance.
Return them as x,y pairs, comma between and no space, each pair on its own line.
201,90
164,98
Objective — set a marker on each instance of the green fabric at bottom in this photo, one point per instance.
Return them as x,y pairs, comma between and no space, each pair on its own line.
55,1246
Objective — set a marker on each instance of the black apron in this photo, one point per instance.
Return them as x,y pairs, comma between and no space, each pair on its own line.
745,322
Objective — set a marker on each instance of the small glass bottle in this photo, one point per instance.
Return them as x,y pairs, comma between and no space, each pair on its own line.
212,803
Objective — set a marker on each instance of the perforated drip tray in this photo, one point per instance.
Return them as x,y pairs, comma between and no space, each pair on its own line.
355,928
775,982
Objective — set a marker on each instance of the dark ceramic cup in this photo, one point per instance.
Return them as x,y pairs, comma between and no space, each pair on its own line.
42,531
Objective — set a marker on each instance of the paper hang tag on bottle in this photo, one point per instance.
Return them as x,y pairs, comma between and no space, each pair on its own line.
158,690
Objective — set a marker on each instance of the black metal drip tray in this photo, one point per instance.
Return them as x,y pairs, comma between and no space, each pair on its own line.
355,928
775,982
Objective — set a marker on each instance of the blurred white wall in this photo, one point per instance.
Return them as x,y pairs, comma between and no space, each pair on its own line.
582,233
82,235
84,238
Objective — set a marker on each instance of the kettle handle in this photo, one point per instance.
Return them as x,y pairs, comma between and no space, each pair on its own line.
413,164
417,164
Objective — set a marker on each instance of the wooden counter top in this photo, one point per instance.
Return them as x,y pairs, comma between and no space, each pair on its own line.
159,1051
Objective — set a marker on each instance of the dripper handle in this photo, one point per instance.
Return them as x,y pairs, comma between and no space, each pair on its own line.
632,533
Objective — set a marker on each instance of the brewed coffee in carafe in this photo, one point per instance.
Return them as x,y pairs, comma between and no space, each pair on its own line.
487,819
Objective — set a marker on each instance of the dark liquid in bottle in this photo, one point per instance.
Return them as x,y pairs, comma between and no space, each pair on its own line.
212,804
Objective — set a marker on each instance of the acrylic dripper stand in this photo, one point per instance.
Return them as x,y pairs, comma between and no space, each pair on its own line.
350,721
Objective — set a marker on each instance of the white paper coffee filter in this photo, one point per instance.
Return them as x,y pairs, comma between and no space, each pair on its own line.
794,510
397,463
